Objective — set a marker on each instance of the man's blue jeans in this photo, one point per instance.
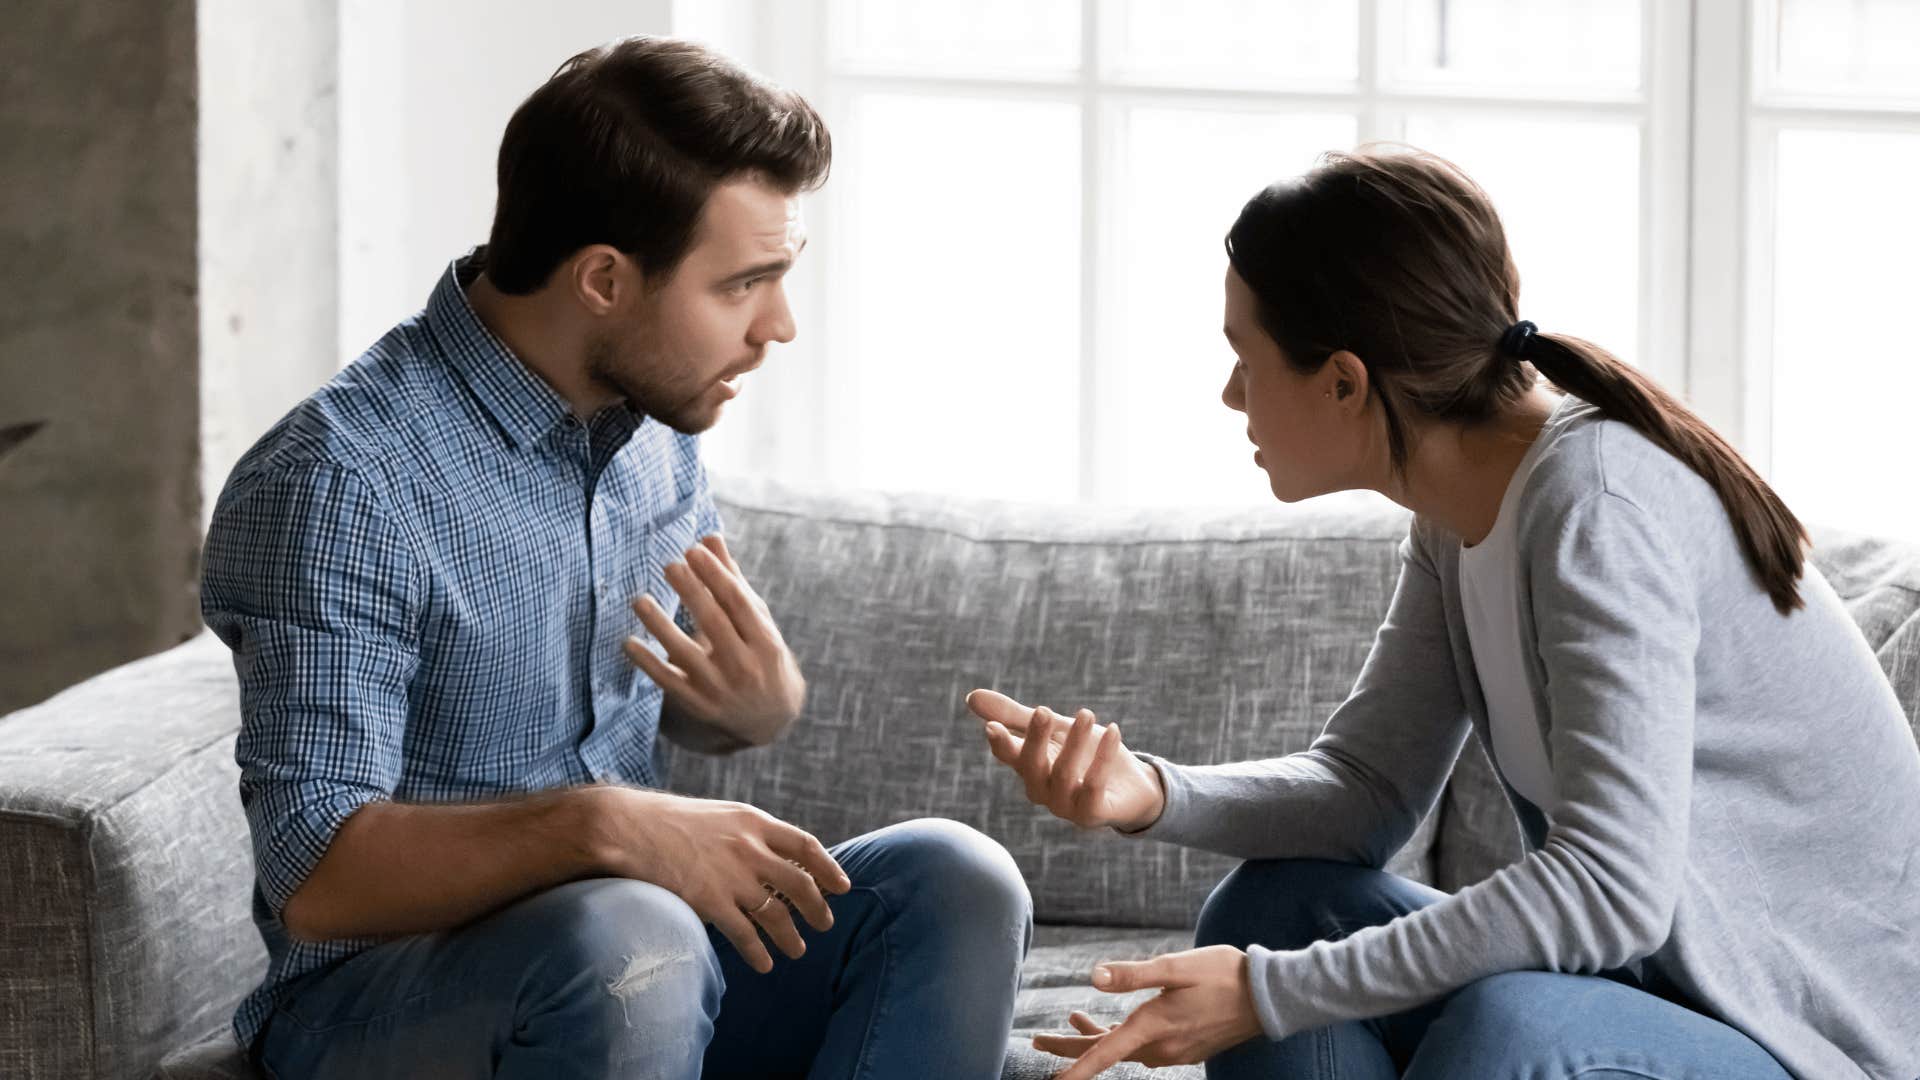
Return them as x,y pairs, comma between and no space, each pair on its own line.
615,978
1526,1025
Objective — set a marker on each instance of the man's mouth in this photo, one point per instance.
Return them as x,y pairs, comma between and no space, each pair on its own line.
731,382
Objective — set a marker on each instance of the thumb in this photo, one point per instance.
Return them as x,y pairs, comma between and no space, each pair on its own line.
1120,976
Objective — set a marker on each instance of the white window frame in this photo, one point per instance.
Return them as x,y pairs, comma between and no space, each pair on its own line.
1707,176
1738,117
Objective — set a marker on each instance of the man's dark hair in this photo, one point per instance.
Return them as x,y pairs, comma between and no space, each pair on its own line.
624,144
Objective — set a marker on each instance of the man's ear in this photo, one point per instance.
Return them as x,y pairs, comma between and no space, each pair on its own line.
599,276
1349,375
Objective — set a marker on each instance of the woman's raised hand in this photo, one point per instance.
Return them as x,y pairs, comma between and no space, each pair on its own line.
1078,768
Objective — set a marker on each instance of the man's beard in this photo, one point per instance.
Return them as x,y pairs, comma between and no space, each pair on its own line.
673,406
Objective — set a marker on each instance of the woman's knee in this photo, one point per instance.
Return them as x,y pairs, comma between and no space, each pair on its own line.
1507,1025
1291,903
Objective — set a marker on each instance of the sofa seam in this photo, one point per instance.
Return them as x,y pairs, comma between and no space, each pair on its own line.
945,530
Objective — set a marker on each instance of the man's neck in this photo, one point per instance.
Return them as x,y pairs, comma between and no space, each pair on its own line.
540,340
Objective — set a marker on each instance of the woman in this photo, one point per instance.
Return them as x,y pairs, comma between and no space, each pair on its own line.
1606,594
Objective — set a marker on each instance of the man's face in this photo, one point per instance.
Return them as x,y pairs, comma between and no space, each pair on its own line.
678,353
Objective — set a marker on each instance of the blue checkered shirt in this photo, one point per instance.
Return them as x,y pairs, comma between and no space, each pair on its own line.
423,572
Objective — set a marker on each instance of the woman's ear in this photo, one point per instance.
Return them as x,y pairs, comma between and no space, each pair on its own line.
1349,377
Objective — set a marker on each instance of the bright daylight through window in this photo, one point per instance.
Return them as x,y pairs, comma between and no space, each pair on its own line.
1017,281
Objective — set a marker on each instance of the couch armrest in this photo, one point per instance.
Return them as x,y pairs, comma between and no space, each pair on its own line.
125,873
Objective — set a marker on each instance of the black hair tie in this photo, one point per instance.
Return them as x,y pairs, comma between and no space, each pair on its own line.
1518,338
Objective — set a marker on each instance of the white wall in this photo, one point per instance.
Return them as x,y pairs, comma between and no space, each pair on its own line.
426,87
268,272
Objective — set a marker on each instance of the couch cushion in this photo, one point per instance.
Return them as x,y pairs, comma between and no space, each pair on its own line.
1055,983
124,869
1209,637
1879,582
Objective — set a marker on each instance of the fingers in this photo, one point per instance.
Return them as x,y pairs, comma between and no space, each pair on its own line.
1101,772
800,846
1063,786
671,680
1035,763
777,920
739,930
1072,1046
708,615
1066,1046
747,618
995,707
1086,1025
717,544
1004,744
1122,976
1112,1048
802,893
682,650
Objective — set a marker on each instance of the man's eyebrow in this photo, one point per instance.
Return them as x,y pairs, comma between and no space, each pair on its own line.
774,266
771,266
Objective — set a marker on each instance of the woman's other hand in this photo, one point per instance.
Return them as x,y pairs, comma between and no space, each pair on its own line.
1205,1006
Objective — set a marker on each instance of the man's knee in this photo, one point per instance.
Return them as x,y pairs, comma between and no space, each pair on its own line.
627,949
958,875
1291,903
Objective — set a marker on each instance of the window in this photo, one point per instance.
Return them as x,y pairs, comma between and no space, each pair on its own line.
1834,122
1016,290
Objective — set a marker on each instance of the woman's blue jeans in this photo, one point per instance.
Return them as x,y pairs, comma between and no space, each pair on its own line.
1524,1025
617,978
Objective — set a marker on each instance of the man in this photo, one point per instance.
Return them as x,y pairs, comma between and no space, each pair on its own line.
465,866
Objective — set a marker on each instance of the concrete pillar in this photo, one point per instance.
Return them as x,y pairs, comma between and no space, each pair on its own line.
99,336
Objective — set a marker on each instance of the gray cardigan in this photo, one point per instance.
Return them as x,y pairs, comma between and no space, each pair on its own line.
1778,887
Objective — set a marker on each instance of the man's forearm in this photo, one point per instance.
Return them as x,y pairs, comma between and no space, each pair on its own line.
397,868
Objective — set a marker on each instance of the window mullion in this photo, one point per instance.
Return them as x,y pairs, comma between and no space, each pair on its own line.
1720,372
1665,194
1094,483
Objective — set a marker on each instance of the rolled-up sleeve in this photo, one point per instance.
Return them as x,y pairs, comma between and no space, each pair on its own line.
311,585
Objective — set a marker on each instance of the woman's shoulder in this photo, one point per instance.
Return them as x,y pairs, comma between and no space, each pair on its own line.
1593,462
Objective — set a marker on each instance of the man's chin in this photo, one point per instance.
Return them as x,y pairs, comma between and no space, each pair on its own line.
692,418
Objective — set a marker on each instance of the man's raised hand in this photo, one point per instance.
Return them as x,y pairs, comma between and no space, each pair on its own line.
736,673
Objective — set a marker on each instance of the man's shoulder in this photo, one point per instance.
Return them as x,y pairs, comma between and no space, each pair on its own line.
359,422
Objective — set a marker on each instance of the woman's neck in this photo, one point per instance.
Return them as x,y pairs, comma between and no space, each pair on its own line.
1458,476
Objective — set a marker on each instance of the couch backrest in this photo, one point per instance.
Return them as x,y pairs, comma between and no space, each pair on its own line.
125,870
1210,637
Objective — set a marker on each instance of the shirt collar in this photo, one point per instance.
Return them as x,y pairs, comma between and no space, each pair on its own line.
521,402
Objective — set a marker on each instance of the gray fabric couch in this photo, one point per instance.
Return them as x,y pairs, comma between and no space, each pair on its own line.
124,865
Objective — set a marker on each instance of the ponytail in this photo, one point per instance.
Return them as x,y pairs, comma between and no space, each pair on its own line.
1398,256
1771,537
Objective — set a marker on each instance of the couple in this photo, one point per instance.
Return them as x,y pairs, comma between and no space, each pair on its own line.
471,582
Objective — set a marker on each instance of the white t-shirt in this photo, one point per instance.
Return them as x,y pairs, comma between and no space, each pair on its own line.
1489,599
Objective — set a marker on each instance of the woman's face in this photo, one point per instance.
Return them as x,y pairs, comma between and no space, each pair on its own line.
1300,425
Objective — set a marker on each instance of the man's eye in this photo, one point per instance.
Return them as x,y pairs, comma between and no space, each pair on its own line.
744,287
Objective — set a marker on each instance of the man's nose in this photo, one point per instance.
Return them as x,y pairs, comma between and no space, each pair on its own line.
775,324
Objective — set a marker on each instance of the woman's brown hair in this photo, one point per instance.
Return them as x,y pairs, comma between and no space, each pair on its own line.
1397,256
